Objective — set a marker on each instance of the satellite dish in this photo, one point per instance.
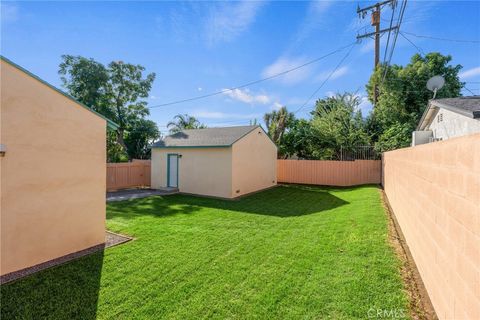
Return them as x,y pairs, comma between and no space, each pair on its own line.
435,83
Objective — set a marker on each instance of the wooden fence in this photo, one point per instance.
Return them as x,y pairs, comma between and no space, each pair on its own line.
128,175
331,173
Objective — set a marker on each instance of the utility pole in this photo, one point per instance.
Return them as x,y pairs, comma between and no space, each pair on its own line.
376,10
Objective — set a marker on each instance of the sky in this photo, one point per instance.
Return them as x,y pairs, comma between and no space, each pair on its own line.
196,48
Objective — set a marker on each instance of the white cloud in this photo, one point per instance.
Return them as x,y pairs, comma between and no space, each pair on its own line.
9,12
199,89
340,72
330,94
228,20
365,105
276,106
283,64
224,115
470,73
246,97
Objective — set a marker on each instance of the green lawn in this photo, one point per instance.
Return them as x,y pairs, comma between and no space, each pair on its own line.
287,253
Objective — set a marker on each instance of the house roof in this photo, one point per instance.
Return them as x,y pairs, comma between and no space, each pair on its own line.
466,106
110,124
203,138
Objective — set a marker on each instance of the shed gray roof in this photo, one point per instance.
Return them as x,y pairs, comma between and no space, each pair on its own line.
209,137
466,106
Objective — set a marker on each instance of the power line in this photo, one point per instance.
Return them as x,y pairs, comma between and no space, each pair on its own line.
397,30
389,33
442,39
326,79
413,44
252,82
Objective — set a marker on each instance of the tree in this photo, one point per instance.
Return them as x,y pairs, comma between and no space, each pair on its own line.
116,91
85,79
403,96
140,137
277,122
184,121
337,125
298,140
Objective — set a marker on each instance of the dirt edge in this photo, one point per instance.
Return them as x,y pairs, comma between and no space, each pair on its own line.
420,306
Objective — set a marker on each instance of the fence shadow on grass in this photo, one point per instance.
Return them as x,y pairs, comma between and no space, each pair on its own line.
67,291
282,201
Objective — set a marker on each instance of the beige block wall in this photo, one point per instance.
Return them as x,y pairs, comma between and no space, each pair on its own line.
254,163
52,176
205,171
434,191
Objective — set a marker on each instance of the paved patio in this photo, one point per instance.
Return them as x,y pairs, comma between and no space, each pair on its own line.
130,194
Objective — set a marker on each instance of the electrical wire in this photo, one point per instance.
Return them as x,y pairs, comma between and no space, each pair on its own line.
252,82
389,32
413,44
441,39
326,79
400,18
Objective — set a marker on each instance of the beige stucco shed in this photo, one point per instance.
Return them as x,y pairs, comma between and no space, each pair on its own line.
223,162
52,172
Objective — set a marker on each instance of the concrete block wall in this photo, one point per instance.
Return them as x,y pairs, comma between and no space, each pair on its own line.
434,191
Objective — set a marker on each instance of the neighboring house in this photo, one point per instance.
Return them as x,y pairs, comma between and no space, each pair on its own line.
448,118
219,162
52,172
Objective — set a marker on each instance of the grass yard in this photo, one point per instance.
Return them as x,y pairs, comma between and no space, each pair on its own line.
287,253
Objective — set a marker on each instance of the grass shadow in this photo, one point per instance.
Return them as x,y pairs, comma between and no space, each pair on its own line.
67,291
282,201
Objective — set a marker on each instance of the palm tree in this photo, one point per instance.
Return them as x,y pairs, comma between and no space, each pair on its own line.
277,122
184,121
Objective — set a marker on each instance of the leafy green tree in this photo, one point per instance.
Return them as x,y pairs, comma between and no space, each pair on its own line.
403,96
184,121
277,122
142,134
115,152
298,140
117,91
85,79
337,124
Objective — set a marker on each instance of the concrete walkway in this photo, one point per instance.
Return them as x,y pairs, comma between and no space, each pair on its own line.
130,194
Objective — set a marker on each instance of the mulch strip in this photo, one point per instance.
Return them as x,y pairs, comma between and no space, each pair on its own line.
111,239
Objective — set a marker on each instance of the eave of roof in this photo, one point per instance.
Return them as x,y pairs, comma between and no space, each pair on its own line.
110,124
463,112
433,107
215,146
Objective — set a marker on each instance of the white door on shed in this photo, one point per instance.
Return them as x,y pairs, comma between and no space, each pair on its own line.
172,167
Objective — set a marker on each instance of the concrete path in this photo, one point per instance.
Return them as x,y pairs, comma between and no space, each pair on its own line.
130,194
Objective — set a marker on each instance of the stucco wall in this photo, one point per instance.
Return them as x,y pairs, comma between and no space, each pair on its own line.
453,125
205,171
52,175
254,163
434,191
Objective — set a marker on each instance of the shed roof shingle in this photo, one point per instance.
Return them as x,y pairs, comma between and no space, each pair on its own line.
209,137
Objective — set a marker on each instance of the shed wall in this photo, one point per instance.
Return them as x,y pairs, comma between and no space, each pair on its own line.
254,163
52,175
203,171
